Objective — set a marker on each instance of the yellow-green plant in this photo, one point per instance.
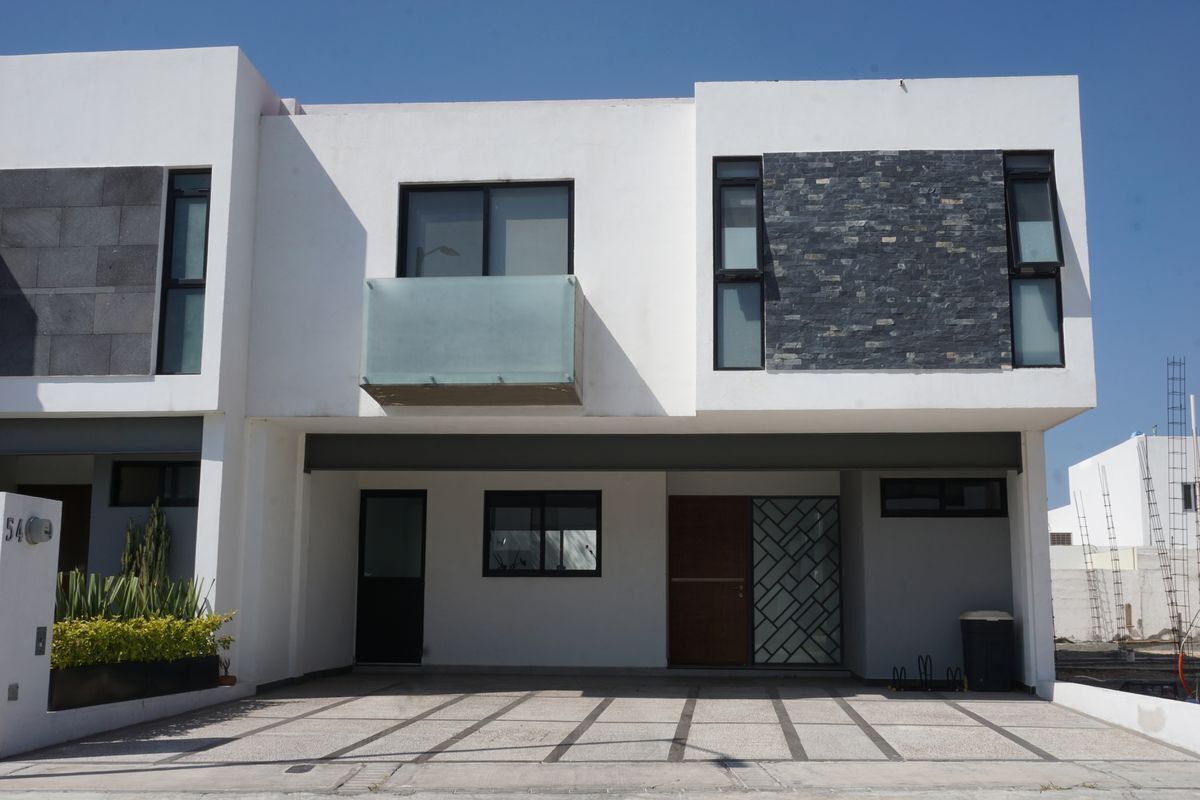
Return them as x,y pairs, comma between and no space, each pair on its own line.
147,548
81,642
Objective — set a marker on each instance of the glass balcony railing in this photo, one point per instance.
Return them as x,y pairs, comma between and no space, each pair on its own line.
501,340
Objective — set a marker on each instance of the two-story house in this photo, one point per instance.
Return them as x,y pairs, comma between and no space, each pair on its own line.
756,378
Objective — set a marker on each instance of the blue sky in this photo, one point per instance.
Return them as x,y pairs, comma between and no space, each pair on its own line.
1138,65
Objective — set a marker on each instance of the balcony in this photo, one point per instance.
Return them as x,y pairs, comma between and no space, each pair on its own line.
511,340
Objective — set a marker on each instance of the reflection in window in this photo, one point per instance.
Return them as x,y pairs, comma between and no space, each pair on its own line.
542,533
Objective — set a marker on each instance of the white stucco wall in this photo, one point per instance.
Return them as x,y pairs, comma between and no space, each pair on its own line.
1127,492
957,114
331,573
107,109
908,579
328,216
618,619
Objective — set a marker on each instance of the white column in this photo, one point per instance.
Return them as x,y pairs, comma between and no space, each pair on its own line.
1030,541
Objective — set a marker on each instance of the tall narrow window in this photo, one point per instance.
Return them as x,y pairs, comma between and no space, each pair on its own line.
737,273
1035,260
181,323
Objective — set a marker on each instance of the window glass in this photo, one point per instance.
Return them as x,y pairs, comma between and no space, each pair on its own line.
1189,497
1035,322
515,540
175,483
445,234
137,485
739,227
191,181
572,532
737,169
739,325
912,495
972,495
392,531
528,230
187,238
1039,162
1034,219
183,331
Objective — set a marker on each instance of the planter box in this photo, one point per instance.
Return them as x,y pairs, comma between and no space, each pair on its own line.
111,683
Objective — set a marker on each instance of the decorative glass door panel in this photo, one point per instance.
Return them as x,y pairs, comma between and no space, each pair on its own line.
796,574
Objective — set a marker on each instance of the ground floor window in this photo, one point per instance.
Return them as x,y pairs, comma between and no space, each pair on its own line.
541,533
943,497
140,483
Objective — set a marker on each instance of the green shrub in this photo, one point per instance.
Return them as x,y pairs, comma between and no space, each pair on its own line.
100,640
82,596
147,548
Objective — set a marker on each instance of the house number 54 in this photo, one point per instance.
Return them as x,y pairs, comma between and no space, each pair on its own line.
13,529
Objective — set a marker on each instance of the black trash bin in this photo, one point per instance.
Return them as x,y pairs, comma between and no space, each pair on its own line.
988,651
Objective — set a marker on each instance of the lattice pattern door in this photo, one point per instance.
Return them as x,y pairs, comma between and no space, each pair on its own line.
797,580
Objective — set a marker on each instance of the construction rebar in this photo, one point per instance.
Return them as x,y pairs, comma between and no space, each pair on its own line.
1160,544
1093,575
1177,480
1121,631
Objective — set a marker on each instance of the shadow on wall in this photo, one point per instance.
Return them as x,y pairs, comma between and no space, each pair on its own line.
18,321
612,384
1076,300
310,260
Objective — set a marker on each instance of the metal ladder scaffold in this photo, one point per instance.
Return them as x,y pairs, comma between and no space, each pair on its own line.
1114,556
1099,633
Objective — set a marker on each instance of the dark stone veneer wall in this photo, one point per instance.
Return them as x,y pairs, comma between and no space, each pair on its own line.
886,260
78,270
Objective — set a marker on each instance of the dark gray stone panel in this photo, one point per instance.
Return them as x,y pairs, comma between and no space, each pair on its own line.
133,186
25,355
130,354
18,268
100,225
17,318
125,312
64,313
68,238
140,224
30,227
886,260
79,355
66,266
32,188
128,265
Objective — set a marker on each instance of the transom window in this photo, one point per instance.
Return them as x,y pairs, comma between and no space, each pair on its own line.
140,483
457,230
943,497
541,534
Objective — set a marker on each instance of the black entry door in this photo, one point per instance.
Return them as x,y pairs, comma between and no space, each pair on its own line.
391,577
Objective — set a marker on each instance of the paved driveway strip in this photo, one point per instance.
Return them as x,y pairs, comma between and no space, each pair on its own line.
425,732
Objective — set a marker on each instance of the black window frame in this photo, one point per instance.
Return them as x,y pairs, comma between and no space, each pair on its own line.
163,466
942,511
491,572
1041,270
169,283
1187,491
721,275
407,189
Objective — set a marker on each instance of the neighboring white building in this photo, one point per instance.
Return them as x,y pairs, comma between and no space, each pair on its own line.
758,377
1128,498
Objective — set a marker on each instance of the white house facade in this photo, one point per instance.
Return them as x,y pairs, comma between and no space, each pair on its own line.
757,378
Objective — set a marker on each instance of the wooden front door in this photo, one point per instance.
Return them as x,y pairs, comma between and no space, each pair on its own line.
76,520
708,619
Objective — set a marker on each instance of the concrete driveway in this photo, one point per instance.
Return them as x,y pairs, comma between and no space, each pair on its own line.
414,733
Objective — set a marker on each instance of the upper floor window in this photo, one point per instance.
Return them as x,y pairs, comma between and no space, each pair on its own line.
1035,260
185,266
490,229
737,268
